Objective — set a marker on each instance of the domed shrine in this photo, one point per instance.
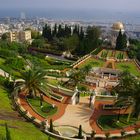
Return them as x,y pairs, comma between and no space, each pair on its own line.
116,27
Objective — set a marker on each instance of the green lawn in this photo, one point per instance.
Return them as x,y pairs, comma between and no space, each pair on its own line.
130,66
134,138
7,68
93,62
84,94
47,109
108,122
2,60
52,81
19,128
112,53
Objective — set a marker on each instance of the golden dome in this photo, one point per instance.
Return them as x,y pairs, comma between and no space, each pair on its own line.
118,26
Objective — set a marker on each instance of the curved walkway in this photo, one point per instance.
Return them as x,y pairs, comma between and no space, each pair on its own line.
98,111
75,115
60,105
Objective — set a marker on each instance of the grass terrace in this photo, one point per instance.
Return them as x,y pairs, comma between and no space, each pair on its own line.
53,81
108,122
45,111
130,66
19,128
113,53
93,62
2,61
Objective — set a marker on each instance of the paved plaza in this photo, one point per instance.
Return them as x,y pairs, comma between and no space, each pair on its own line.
76,115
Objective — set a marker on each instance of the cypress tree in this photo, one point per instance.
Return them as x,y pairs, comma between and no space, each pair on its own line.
47,33
54,32
81,35
8,136
51,126
121,41
80,132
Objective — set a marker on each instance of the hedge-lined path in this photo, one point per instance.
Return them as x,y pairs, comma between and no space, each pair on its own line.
98,111
61,106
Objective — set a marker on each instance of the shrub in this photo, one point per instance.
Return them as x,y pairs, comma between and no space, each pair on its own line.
51,126
24,112
32,118
107,134
80,132
93,133
136,129
8,136
43,123
123,133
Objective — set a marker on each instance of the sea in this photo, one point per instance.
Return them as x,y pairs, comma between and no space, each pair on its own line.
81,15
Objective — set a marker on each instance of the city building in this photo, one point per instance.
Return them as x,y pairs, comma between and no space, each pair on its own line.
19,36
24,36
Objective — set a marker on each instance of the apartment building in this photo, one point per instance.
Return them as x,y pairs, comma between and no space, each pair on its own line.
20,36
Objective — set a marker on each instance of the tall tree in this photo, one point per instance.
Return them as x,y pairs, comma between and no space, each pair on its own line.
4,36
33,82
39,43
81,34
80,136
54,32
8,136
92,38
71,42
76,77
67,31
121,41
129,88
76,30
87,69
47,33
61,31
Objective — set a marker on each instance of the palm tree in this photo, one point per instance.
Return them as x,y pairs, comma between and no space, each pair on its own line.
129,93
124,102
87,69
33,82
76,77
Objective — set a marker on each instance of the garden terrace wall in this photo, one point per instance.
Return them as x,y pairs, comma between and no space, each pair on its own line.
38,123
110,107
81,60
56,97
105,97
61,137
61,90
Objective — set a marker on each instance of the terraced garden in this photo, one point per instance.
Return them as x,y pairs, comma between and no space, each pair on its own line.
130,66
46,110
112,53
108,122
93,62
19,128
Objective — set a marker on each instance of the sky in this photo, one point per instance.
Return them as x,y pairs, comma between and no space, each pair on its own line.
111,5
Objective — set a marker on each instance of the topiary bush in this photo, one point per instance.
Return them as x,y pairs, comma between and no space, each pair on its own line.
51,126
